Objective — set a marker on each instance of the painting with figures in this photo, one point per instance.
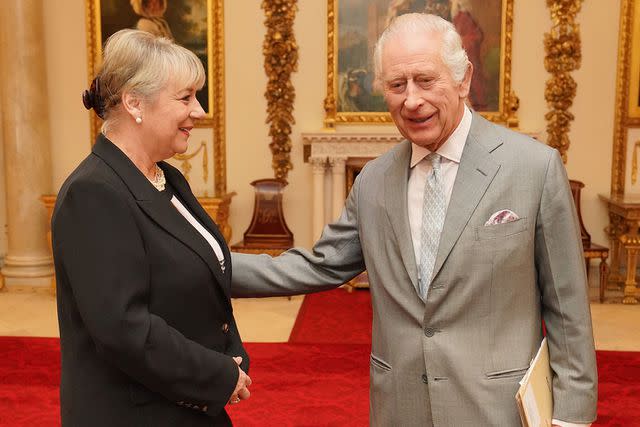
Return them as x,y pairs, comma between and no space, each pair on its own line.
185,21
360,22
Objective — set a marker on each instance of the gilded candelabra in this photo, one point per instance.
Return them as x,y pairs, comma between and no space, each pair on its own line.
281,60
563,55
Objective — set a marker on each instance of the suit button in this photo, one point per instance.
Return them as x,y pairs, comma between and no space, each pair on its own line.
425,379
429,332
225,328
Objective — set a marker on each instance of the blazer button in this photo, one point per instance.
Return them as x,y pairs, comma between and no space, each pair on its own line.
425,379
429,332
225,328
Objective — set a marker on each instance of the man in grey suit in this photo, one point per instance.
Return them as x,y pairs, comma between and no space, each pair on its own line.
468,251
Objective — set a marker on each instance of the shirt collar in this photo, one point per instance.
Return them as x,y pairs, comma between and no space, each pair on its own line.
452,148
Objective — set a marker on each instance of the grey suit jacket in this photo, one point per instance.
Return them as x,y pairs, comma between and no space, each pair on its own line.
456,358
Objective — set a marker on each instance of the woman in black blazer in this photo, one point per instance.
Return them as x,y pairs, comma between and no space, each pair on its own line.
147,331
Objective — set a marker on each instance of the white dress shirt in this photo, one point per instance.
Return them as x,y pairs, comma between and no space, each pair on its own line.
451,153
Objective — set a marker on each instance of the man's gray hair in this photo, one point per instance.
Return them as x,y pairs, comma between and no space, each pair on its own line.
453,54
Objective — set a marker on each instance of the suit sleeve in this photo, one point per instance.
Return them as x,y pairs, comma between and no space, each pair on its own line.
335,259
565,305
103,257
236,348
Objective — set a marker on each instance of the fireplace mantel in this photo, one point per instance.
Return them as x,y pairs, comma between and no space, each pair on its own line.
328,153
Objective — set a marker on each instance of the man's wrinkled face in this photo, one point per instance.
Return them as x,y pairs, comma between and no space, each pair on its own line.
425,103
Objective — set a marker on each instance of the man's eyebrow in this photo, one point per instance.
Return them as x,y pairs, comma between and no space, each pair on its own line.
392,77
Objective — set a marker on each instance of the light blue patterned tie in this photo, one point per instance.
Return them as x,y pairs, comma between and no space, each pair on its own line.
433,212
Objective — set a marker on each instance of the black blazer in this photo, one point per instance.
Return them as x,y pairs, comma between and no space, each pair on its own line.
146,325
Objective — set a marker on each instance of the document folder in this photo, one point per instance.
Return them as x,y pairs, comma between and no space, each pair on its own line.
535,395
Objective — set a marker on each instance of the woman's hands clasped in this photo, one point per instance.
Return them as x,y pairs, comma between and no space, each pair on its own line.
242,388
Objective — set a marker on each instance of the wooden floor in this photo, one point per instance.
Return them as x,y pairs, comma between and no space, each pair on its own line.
29,313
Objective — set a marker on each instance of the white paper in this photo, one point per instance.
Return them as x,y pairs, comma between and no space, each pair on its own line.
529,402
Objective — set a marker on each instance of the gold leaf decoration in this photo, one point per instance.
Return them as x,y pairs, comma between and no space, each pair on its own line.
280,61
563,55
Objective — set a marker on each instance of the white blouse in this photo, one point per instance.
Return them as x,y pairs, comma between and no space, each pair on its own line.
203,231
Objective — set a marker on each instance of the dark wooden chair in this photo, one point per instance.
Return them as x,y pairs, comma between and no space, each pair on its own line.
591,250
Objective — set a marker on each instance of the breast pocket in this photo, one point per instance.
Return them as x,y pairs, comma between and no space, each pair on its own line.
497,231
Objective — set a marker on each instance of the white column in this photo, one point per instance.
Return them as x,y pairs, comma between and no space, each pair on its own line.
319,166
25,139
338,173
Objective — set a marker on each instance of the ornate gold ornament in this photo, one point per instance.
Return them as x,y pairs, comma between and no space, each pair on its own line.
508,102
563,55
280,61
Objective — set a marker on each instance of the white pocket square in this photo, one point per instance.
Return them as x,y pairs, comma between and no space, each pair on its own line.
502,217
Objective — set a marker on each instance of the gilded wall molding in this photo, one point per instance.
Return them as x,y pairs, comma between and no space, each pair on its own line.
280,61
219,112
186,167
563,55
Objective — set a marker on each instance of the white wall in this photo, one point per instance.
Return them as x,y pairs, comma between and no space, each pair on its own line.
248,156
590,154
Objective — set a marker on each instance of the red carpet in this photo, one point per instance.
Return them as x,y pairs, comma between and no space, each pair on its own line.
295,384
334,317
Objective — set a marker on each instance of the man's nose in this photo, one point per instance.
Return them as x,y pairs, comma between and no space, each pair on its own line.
414,98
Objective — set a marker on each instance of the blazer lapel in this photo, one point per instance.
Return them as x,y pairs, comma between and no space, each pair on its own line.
182,188
395,195
158,208
475,173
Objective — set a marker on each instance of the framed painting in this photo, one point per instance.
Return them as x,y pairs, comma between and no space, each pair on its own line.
355,25
194,24
627,104
197,25
633,111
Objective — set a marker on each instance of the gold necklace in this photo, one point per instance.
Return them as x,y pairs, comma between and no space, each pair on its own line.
159,181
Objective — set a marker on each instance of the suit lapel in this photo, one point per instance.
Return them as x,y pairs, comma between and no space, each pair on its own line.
475,173
395,196
159,208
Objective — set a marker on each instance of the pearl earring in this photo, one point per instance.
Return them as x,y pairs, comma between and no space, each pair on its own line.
138,120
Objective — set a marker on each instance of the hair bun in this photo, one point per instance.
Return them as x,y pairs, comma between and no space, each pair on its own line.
87,99
91,99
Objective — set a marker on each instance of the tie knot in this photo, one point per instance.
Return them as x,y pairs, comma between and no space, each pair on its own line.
434,159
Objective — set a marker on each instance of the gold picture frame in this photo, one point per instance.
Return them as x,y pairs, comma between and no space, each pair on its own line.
633,113
627,105
104,17
502,104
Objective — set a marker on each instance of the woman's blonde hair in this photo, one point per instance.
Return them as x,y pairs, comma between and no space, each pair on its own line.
140,63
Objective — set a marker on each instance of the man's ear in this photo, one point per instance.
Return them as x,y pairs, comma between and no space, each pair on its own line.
132,103
465,85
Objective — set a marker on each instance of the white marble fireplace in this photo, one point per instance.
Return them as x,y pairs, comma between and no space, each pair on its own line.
331,155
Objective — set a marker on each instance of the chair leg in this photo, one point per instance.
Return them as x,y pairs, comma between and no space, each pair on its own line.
586,264
603,278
